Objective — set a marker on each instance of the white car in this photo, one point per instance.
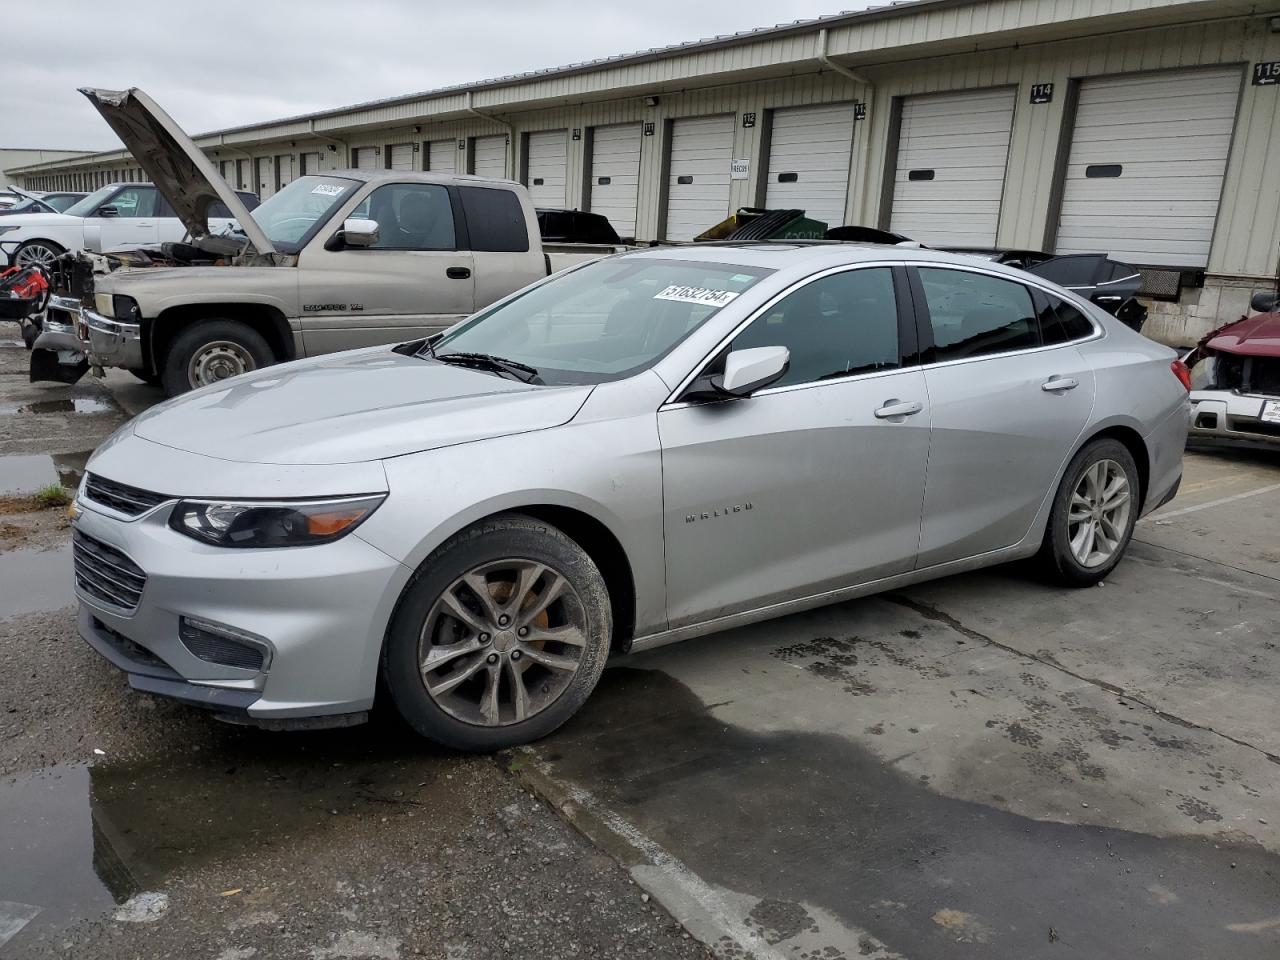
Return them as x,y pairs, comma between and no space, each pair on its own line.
120,216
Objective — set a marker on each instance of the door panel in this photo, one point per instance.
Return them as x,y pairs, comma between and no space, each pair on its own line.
135,222
790,493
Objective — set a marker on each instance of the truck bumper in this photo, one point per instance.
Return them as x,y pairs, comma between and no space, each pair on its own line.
111,342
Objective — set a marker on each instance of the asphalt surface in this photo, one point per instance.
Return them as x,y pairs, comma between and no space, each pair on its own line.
133,828
983,766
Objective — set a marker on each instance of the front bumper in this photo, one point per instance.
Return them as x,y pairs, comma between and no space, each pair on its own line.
320,612
112,343
1226,416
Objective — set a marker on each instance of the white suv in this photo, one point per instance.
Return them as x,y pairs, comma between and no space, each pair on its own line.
120,216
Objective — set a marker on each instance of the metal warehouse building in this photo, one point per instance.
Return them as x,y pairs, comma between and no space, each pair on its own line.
1149,129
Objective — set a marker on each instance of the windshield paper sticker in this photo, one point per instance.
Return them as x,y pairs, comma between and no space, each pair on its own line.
327,189
710,298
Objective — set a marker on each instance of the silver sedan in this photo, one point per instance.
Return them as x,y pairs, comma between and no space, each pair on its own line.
644,449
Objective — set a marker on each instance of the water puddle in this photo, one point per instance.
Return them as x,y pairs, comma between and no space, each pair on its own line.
35,580
89,837
88,405
26,474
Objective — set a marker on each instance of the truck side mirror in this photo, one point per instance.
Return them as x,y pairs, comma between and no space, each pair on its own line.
357,232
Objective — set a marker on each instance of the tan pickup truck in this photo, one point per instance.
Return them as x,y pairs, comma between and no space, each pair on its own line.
346,258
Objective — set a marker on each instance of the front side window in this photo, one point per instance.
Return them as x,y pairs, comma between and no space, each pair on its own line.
88,206
834,327
605,321
291,217
410,216
975,315
135,202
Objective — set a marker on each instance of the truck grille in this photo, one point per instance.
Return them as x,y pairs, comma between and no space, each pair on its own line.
105,573
131,501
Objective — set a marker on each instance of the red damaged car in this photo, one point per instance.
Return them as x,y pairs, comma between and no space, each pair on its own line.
1235,379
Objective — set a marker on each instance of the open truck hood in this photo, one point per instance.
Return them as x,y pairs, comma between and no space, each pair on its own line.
179,169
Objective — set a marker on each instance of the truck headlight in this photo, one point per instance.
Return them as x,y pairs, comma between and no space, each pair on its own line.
125,309
286,523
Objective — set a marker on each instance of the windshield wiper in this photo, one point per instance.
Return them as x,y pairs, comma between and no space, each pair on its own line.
487,361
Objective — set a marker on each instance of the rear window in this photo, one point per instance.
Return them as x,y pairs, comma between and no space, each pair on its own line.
495,220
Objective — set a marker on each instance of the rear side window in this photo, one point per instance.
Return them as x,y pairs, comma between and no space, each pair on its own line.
1061,323
495,220
974,315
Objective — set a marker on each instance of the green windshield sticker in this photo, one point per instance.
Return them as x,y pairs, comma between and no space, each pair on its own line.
741,278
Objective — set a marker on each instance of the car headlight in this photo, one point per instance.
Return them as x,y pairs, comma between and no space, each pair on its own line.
286,523
10,228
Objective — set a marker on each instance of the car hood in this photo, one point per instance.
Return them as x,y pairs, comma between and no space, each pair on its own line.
162,281
1257,336
41,220
353,407
179,169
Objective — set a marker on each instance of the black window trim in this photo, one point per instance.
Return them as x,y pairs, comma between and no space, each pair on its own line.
908,337
924,325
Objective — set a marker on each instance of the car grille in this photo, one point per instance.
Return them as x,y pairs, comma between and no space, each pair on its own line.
131,501
1241,425
105,573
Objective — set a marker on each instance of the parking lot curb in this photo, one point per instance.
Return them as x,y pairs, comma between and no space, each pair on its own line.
693,903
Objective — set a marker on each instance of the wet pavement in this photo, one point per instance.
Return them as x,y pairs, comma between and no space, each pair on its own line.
133,827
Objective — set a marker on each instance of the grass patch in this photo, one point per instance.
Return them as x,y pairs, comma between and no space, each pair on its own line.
52,496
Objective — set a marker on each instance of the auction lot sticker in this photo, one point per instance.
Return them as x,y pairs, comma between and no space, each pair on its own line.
703,295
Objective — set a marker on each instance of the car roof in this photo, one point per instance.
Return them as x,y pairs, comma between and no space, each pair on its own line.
810,256
410,176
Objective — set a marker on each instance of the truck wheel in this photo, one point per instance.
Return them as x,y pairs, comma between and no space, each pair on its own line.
499,637
212,350
146,376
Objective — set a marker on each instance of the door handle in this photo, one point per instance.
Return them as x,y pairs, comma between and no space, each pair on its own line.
1055,384
458,273
894,409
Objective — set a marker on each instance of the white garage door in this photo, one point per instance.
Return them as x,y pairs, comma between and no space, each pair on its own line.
366,158
698,184
1145,171
442,156
402,156
809,153
547,159
310,163
952,153
615,175
490,157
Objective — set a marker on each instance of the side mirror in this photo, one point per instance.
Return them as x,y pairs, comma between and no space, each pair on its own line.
357,232
745,372
1265,302
108,210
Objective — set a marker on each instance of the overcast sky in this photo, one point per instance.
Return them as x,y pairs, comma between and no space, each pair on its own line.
223,65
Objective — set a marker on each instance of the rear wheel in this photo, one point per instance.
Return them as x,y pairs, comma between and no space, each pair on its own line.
1093,514
212,350
500,637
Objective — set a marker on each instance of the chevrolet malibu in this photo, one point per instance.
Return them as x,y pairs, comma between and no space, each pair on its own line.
638,451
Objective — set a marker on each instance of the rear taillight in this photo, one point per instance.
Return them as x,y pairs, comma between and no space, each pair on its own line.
1183,373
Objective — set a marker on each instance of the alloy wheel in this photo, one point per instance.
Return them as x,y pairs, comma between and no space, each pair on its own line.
1098,519
502,642
35,254
219,360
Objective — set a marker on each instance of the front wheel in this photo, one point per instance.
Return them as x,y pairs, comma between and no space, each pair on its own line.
1093,515
212,350
500,637
37,253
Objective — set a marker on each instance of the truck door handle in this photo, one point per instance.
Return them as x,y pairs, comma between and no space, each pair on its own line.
893,409
458,273
1055,384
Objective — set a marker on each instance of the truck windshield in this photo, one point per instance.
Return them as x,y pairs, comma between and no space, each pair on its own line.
605,321
292,216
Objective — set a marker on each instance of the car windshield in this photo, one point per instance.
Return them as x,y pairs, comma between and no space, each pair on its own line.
87,205
291,217
605,321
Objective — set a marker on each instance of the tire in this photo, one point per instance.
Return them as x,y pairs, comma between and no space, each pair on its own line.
146,376
43,252
439,611
212,350
1083,562
29,334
